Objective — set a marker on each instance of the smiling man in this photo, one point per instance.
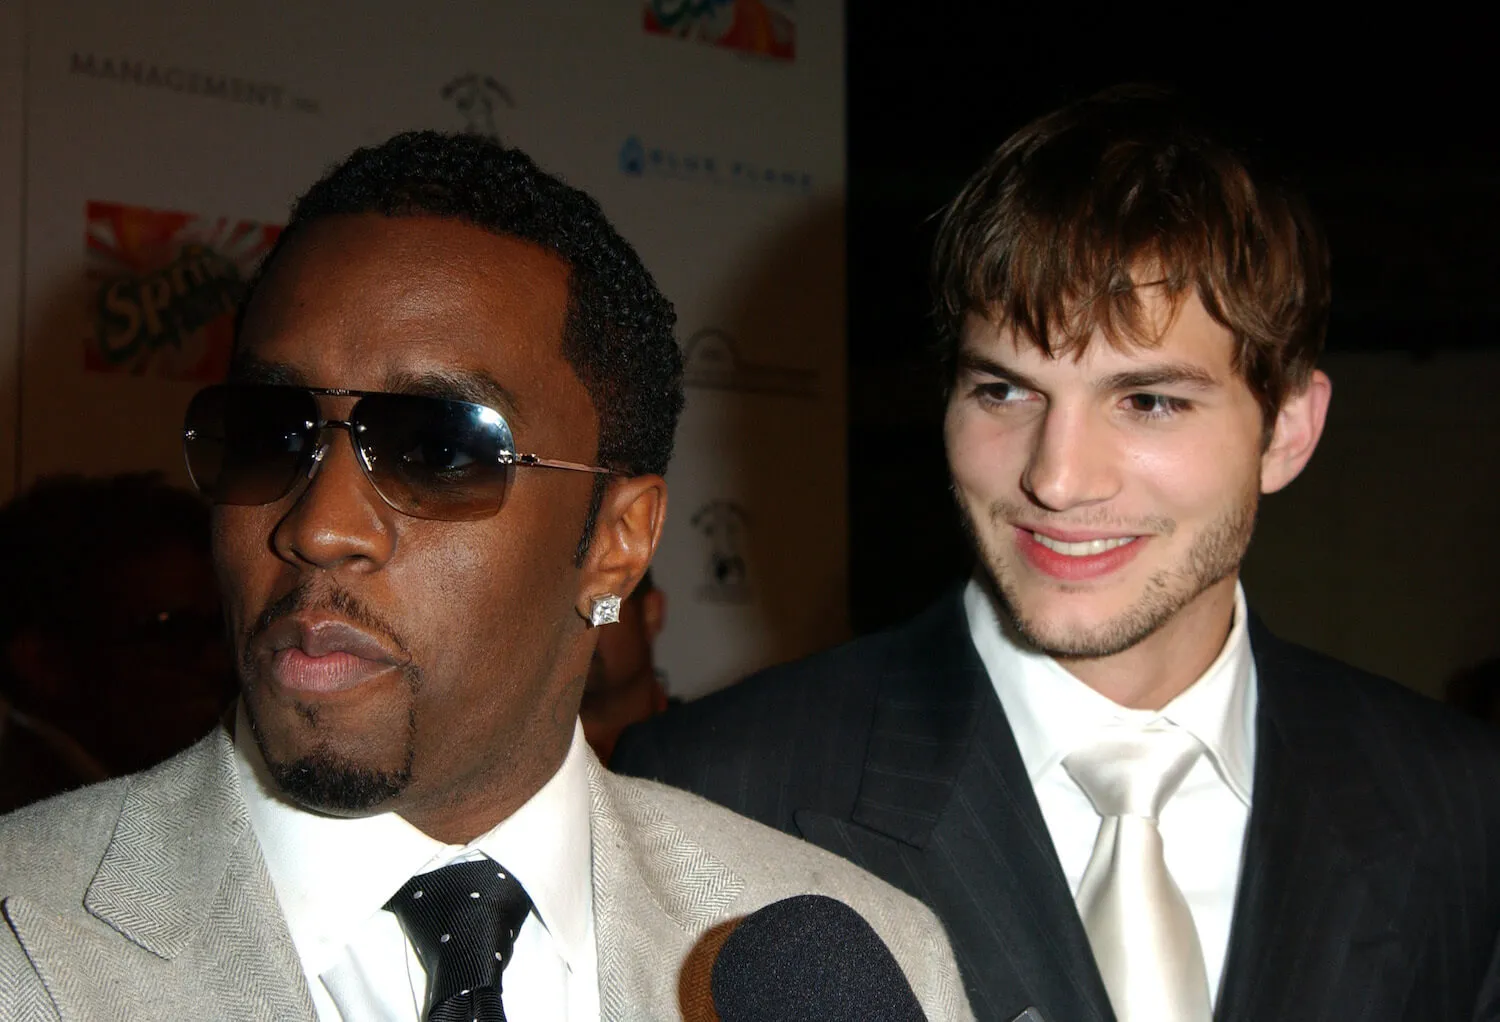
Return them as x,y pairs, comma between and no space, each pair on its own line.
437,468
1121,794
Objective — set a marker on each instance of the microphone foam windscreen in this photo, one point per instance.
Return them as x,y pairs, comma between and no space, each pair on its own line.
809,958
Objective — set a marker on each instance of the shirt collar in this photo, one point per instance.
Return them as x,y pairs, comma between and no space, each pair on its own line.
1051,712
332,874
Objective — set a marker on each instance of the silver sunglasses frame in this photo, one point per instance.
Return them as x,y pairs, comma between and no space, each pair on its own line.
320,451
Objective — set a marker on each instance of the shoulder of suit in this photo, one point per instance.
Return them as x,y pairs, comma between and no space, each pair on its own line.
910,643
50,850
833,666
765,866
773,865
1367,704
55,842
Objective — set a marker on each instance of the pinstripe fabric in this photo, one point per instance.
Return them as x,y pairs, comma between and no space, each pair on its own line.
1372,891
147,898
1371,885
979,867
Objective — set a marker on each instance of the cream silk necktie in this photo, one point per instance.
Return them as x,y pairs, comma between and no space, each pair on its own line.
1137,920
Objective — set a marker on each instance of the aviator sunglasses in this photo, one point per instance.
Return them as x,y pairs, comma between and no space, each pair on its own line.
427,457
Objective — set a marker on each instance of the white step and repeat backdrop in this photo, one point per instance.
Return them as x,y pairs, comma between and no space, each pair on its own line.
149,151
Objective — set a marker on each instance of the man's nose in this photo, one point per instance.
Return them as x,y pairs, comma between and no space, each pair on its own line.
338,520
1074,460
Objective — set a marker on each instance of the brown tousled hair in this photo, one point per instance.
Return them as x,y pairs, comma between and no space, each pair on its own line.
1073,213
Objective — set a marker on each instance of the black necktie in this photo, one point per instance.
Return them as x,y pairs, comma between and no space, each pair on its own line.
463,920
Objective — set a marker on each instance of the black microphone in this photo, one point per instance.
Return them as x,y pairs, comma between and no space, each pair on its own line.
809,959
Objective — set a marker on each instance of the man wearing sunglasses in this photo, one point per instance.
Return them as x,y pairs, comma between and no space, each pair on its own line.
436,466
1123,796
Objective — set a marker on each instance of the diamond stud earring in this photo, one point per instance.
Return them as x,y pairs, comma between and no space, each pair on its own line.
604,610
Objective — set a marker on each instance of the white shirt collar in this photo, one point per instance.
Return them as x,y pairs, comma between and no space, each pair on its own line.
1052,712
332,874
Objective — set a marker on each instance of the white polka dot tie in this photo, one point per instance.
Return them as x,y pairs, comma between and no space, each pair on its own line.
462,920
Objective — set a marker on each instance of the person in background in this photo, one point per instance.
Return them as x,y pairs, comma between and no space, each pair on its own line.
113,653
624,686
1125,798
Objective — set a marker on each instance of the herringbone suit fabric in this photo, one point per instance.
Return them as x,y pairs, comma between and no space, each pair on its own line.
147,898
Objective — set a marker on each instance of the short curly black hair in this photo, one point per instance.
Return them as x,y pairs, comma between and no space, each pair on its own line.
618,336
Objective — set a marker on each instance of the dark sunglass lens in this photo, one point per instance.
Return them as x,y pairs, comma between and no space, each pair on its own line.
432,458
246,444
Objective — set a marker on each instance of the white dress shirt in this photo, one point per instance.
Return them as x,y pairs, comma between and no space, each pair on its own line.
333,875
1203,825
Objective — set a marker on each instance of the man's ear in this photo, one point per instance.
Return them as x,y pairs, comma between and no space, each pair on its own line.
1299,426
626,532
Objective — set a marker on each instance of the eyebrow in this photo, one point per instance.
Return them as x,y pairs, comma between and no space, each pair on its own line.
246,368
471,385
1167,374
1170,374
969,362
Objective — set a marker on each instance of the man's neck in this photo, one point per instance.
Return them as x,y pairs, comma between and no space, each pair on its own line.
1159,668
457,818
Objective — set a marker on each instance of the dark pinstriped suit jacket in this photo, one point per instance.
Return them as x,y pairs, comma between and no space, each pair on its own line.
1370,890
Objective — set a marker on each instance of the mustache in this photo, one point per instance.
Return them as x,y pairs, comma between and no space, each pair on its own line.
305,596
1003,510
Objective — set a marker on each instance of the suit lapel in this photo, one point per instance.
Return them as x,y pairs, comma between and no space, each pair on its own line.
183,883
171,847
946,811
657,898
923,726
1328,871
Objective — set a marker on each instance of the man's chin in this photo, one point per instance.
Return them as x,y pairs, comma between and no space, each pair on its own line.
1103,623
1081,641
330,784
304,760
1080,625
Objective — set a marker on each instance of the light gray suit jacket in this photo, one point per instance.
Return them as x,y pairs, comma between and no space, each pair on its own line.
146,897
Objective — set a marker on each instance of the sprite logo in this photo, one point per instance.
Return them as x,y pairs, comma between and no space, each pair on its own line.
139,315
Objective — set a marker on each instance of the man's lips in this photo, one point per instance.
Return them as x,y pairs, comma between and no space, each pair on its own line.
321,655
1075,555
1058,535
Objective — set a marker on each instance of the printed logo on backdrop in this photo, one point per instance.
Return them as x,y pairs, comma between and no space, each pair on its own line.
165,286
478,98
643,160
721,524
216,85
712,361
766,28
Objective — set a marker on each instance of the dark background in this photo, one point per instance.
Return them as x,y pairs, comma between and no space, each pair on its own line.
1389,124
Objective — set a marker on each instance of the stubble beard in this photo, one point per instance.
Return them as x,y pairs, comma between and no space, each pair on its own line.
323,780
1215,554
